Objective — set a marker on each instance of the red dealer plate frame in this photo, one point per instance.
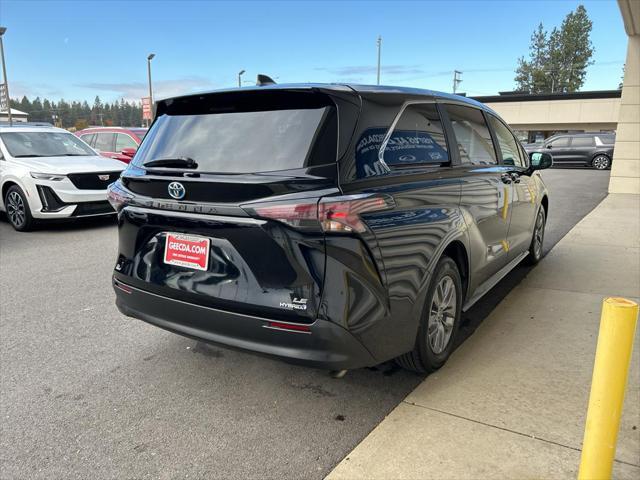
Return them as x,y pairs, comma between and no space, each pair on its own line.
189,251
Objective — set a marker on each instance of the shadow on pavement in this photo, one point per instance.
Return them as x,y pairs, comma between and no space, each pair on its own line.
67,225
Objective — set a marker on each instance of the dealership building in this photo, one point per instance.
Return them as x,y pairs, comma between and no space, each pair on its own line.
625,171
535,117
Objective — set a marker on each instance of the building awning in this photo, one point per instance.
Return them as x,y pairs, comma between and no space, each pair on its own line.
14,111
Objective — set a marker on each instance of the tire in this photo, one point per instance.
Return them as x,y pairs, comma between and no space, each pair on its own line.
434,341
18,210
601,162
537,238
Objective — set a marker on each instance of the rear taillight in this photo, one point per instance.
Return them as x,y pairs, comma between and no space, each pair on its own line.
343,214
329,214
302,215
118,197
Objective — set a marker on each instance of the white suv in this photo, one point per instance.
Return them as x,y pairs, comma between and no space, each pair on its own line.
49,173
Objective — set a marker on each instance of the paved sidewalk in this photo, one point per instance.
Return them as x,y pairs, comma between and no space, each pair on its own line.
511,402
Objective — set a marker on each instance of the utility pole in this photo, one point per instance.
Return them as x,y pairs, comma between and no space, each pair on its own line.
379,48
149,58
4,74
456,80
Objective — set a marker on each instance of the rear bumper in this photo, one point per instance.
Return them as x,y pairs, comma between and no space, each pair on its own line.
327,345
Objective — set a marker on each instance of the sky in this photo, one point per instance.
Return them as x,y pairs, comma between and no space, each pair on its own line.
79,49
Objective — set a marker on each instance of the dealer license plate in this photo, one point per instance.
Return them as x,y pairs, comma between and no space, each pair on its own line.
189,251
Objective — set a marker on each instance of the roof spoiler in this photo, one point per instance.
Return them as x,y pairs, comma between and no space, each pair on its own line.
263,80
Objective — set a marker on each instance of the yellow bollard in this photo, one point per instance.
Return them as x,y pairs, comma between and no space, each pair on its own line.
613,354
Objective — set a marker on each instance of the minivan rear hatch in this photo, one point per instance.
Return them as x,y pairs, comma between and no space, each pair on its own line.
207,165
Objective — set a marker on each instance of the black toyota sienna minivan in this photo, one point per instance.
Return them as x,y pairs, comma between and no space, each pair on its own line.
336,226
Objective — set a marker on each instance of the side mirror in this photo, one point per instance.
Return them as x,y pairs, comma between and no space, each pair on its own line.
128,152
549,146
540,161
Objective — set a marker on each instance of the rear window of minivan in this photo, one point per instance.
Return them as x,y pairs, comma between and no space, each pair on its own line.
245,141
607,139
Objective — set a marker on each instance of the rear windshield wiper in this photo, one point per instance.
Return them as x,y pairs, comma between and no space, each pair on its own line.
178,162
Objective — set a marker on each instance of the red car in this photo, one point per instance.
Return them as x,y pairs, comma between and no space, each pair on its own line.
114,142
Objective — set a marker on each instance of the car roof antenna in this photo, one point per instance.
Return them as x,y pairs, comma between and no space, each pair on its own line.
263,80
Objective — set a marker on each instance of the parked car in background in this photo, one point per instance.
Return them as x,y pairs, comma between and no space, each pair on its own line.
336,226
48,173
114,142
578,149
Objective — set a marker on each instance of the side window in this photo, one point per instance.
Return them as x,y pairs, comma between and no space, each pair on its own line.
507,143
560,142
104,141
417,138
472,135
87,138
607,139
124,141
525,157
582,142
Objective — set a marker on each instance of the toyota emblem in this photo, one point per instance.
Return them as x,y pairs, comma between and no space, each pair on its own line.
176,190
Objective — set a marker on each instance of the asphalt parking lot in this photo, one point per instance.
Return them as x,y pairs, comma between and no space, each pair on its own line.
88,393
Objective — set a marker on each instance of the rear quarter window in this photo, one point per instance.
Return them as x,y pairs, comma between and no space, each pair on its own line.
607,139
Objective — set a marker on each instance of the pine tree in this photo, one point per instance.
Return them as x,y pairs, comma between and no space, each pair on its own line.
25,104
530,74
557,63
37,114
96,112
75,113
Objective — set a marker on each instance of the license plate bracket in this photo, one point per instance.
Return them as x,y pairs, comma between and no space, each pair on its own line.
189,251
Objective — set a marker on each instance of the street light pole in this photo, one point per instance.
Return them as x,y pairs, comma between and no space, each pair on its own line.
240,78
379,48
149,58
4,75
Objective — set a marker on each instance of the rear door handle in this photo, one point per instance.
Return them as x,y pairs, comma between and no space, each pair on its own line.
506,178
